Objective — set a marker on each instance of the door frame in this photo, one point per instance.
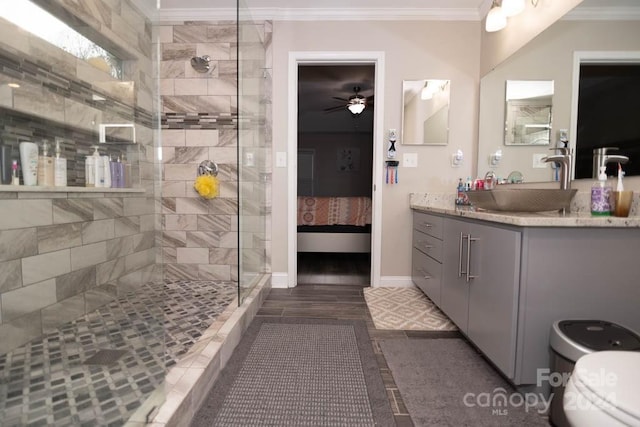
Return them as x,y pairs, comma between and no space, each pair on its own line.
296,59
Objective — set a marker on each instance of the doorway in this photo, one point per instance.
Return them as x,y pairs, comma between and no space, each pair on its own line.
347,163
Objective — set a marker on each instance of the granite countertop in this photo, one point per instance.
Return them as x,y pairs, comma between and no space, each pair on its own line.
579,217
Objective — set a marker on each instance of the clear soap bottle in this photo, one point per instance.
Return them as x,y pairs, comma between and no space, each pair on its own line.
45,166
601,195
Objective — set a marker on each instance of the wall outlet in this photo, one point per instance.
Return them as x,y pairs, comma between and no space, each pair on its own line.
538,163
410,160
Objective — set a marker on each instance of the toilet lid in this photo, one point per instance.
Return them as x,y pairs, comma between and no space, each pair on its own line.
613,376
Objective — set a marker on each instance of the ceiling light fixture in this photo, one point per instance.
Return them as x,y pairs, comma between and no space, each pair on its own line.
356,106
496,18
512,7
501,10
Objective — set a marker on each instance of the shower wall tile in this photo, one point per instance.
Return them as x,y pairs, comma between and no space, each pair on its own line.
19,331
202,137
144,241
88,255
25,213
119,247
74,283
192,87
10,275
173,137
99,296
127,226
214,272
110,271
16,244
191,206
110,207
214,222
28,299
137,206
56,237
217,51
97,231
46,266
202,239
181,222
138,260
200,121
192,255
72,210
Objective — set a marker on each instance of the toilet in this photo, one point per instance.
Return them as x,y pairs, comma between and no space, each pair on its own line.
604,390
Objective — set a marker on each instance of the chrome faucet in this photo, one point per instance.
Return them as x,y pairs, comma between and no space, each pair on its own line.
564,160
601,158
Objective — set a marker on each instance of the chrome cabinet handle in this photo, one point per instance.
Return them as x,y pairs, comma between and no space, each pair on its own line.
468,272
460,272
424,273
426,224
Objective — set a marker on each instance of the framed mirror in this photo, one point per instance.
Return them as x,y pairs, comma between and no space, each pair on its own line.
425,112
528,105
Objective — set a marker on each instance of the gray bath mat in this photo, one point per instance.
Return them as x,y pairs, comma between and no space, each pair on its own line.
295,372
445,382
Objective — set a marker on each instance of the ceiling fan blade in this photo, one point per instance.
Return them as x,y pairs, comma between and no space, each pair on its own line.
340,99
332,109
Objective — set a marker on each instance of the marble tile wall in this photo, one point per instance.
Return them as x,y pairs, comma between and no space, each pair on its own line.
63,254
199,122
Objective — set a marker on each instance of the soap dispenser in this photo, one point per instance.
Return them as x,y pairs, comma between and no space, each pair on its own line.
600,195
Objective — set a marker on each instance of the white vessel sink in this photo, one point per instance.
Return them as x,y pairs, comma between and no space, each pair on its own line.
522,199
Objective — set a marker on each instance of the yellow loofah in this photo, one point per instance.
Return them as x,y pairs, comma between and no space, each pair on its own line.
207,186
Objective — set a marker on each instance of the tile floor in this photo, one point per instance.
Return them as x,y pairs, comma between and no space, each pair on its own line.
48,382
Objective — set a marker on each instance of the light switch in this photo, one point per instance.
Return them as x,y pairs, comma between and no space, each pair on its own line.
281,159
410,160
537,161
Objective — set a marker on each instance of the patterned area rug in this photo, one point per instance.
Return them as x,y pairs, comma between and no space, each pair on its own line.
299,372
405,309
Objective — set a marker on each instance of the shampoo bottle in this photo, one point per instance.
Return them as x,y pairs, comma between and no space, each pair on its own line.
59,166
90,168
106,171
45,166
600,195
29,162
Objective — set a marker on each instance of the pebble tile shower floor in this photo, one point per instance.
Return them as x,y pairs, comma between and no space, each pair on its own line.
48,381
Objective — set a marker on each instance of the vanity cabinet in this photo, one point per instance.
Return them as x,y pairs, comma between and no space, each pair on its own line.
479,291
426,258
504,285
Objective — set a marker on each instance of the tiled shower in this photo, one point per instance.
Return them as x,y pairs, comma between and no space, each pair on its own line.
102,291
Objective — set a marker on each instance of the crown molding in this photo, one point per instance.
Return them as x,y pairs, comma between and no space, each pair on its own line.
603,14
323,14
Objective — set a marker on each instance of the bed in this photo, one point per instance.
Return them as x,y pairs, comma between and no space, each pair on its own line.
334,224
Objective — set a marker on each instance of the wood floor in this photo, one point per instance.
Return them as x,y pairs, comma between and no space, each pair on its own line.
342,301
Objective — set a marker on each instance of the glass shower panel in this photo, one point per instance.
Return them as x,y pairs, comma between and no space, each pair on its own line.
82,332
252,151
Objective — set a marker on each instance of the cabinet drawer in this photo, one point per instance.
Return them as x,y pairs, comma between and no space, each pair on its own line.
429,224
427,275
428,245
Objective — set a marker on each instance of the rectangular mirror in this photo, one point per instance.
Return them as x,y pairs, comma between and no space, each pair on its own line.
425,112
528,112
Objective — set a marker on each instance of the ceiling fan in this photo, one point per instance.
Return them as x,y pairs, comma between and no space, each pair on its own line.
355,104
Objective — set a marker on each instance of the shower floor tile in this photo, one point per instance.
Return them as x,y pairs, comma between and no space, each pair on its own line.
47,381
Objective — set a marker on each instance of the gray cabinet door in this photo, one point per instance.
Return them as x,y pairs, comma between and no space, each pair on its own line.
454,293
493,293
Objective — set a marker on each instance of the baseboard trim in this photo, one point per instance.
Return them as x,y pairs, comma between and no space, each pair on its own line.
395,282
280,280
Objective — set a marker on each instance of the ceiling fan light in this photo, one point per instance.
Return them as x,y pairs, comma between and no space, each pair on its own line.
356,108
496,19
512,7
